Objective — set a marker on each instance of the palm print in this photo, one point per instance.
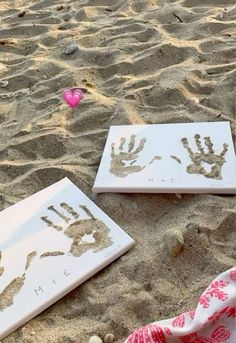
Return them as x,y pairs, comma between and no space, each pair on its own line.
123,162
205,156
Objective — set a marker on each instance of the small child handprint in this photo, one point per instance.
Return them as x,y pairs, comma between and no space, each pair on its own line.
123,162
205,155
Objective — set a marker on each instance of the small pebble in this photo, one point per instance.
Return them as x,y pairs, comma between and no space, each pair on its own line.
5,96
173,240
95,339
21,14
193,226
109,338
4,84
67,17
65,339
71,49
62,27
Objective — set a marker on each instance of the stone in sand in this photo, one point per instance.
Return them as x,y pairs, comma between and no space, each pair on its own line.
95,339
193,227
173,241
71,49
109,338
4,84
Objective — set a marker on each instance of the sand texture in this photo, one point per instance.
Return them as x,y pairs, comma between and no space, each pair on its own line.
139,61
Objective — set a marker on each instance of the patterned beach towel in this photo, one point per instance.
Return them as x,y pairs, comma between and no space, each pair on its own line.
213,320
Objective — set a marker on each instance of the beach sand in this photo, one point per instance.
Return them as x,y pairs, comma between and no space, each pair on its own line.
139,61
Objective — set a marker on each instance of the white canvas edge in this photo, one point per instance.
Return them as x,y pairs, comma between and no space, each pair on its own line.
159,190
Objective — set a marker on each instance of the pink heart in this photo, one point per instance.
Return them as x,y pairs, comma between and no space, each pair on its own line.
73,96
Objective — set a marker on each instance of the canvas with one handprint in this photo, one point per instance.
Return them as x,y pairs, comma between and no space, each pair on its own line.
50,243
170,158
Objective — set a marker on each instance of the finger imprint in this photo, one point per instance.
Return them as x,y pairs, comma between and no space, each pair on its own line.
122,142
225,149
141,146
209,144
199,143
113,150
132,142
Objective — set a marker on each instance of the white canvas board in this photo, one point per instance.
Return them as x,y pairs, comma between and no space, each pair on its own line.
50,243
168,158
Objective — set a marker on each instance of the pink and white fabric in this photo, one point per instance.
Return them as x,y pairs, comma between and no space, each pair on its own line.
213,321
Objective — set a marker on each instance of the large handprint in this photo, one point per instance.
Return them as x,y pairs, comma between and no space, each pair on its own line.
76,229
207,156
79,229
123,162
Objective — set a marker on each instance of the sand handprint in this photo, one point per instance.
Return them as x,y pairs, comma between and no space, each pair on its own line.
205,160
85,234
123,162
78,230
